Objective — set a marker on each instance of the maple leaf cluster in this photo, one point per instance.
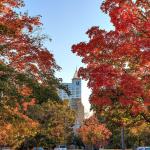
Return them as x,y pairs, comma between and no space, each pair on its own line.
15,127
18,46
118,61
94,133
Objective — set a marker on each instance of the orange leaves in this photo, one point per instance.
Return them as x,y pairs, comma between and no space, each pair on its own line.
25,91
27,104
4,134
139,129
12,3
92,132
14,130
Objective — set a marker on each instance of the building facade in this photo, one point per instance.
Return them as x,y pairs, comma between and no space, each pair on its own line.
74,88
74,98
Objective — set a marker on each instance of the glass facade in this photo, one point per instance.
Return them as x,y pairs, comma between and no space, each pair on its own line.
74,88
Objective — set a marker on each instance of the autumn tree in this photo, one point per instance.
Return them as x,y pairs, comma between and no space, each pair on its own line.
26,76
94,133
20,47
117,61
56,121
119,119
17,88
15,98
15,127
18,92
141,132
27,79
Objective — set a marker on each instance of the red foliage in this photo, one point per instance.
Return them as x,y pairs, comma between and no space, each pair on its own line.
118,62
22,50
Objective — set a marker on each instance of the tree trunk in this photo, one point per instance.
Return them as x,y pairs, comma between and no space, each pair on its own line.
122,139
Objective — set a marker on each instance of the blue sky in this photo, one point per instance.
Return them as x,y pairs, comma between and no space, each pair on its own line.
66,21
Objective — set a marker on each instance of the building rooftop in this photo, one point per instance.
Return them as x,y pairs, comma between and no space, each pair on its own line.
76,74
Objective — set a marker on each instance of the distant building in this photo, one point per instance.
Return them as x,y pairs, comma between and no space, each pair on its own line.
74,98
74,88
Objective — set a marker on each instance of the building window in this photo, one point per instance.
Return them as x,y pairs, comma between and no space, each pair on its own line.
77,83
77,92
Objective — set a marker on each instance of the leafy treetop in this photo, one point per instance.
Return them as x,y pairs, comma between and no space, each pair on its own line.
19,46
118,62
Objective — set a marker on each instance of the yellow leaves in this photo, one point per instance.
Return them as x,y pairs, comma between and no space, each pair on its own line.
19,131
139,129
66,102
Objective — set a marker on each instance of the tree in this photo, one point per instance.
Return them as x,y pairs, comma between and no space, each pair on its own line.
20,46
94,133
15,98
56,121
18,92
15,125
26,79
17,88
117,62
142,133
26,75
119,119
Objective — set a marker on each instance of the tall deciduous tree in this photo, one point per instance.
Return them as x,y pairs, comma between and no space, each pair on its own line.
19,46
56,121
15,98
94,133
26,76
118,61
18,92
